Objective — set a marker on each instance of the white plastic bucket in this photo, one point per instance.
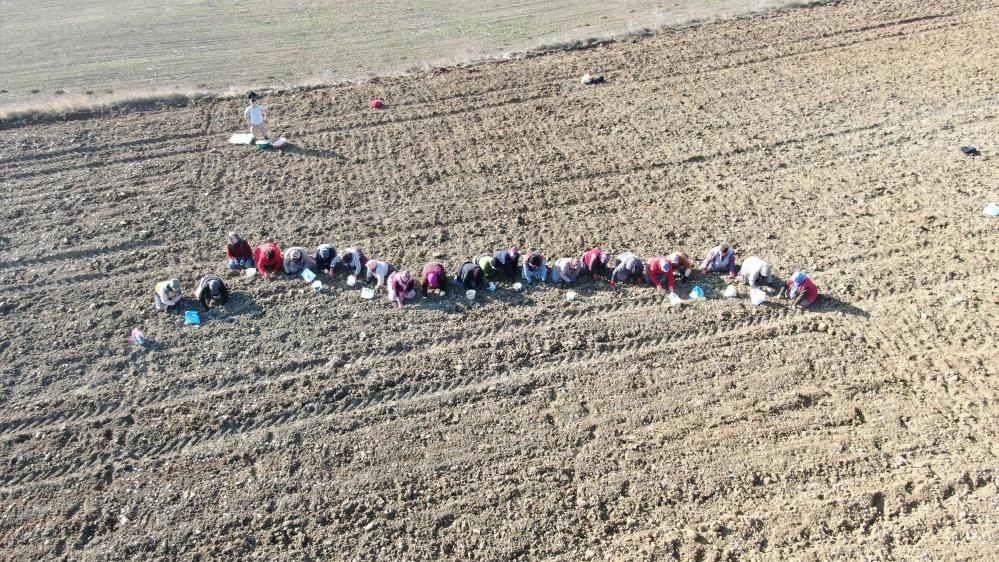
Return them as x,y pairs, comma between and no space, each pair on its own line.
351,280
570,296
367,293
470,294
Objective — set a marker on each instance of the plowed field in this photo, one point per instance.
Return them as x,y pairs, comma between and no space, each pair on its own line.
299,425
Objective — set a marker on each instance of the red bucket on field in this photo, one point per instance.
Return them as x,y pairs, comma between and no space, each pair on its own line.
377,104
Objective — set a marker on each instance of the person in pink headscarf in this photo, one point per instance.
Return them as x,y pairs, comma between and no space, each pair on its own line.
400,287
434,277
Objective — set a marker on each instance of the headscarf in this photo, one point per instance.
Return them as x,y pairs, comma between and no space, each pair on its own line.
434,279
215,287
175,284
234,238
796,280
296,255
604,257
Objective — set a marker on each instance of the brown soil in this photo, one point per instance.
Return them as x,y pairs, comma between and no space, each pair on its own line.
298,425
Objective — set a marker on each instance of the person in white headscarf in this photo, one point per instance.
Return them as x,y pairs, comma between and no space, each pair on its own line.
757,273
296,260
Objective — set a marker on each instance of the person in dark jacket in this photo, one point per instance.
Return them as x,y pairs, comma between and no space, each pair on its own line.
469,275
325,256
212,291
509,260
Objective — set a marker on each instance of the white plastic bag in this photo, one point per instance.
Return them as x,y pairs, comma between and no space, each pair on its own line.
675,300
730,292
757,296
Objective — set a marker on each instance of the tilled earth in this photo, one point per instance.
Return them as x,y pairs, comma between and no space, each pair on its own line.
296,425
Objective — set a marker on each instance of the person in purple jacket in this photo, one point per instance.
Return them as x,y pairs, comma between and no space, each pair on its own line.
720,258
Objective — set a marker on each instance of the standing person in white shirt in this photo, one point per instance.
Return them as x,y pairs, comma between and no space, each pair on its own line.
256,116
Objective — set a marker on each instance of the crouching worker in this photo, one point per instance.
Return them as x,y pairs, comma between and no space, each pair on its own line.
434,277
509,262
353,261
595,262
469,276
400,287
211,291
379,271
239,252
565,270
799,287
757,273
719,258
629,269
682,268
492,267
534,268
661,272
325,258
166,295
296,261
268,258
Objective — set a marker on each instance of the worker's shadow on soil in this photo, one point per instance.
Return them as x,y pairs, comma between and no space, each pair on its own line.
239,304
827,303
315,152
